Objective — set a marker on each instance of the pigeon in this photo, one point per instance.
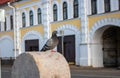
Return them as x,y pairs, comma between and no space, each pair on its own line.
51,43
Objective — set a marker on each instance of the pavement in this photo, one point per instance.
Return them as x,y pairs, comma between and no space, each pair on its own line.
79,72
89,72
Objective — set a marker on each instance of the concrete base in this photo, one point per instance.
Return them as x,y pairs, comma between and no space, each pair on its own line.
84,54
40,65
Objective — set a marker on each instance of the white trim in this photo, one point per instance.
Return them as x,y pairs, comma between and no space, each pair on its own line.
70,27
103,22
27,36
6,37
2,15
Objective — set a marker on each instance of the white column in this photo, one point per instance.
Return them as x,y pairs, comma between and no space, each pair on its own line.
18,41
85,55
15,27
28,19
35,16
7,23
46,18
60,12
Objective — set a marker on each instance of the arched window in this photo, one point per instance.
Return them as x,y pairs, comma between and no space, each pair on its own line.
119,4
23,20
76,10
31,18
11,22
107,5
5,25
0,26
94,6
65,16
39,16
55,12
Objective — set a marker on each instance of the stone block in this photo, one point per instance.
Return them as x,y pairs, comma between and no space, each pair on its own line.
41,65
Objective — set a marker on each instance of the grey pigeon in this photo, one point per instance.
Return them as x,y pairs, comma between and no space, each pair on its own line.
51,43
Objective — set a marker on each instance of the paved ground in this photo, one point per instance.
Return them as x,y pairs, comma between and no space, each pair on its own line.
6,72
79,72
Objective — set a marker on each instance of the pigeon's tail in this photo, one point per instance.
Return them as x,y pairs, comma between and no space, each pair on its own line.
45,47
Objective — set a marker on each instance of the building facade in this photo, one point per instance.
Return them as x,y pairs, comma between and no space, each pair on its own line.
88,29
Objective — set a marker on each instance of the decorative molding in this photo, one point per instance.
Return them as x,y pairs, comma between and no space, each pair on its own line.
64,1
6,37
70,27
27,9
33,33
104,22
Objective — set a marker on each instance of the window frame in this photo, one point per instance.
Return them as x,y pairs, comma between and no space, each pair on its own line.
5,25
31,18
11,22
65,12
0,26
76,8
39,13
23,20
107,6
119,4
93,7
55,17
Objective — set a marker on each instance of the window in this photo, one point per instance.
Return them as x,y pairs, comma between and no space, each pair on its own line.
55,12
5,26
65,11
76,8
11,22
119,4
94,6
0,26
39,16
23,20
107,5
31,18
32,45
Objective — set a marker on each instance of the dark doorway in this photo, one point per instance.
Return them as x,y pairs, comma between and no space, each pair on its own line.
68,47
111,47
32,45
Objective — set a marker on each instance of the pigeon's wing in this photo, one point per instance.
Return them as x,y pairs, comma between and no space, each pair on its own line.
50,42
47,45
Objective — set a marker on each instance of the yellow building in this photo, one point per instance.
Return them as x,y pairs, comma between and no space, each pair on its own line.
88,29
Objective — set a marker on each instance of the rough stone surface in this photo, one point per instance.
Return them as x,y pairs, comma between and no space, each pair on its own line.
40,65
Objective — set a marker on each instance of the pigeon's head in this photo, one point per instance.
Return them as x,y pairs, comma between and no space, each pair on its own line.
54,33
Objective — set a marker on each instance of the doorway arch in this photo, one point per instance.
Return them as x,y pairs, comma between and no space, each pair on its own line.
111,46
96,34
